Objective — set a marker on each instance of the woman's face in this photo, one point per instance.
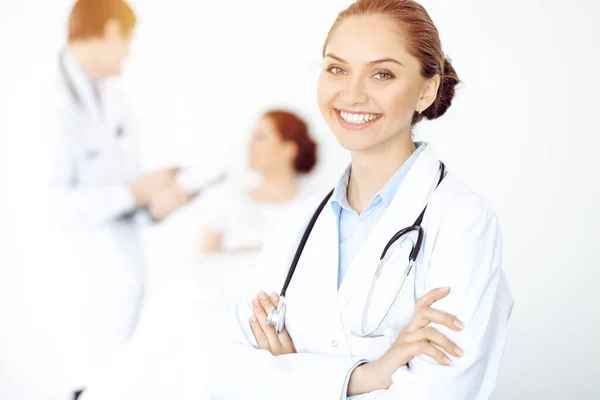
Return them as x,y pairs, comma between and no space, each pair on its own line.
268,151
370,85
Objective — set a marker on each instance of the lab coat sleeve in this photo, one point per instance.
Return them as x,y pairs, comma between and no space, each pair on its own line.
71,206
244,372
468,260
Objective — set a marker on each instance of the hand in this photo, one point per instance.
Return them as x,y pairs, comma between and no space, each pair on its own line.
266,336
415,338
150,184
166,201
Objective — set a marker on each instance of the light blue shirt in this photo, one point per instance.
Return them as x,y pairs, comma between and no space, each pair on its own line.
353,228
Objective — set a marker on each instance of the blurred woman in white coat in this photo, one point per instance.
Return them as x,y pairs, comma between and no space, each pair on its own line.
96,191
391,285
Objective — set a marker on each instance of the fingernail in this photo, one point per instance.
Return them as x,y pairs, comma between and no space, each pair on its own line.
459,351
255,302
459,324
447,361
263,295
445,289
274,296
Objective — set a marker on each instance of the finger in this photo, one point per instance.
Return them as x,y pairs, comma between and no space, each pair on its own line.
431,297
259,335
426,348
440,317
284,336
261,316
266,301
286,340
434,336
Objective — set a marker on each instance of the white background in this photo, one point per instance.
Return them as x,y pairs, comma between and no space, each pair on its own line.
522,131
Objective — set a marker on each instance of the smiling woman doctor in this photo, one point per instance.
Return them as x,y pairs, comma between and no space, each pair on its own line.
346,324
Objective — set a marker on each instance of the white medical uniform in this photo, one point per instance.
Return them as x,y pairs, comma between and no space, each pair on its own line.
242,221
461,250
94,266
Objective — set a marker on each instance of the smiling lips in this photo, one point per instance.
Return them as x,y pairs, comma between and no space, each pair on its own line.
356,120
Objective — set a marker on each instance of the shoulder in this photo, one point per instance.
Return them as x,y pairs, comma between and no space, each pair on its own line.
285,236
274,261
456,202
302,209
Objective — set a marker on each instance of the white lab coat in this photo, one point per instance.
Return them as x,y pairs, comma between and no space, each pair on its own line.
96,286
461,250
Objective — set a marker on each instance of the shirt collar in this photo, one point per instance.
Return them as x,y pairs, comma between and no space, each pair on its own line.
339,199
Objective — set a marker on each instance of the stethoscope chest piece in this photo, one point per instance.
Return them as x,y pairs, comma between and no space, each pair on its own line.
276,317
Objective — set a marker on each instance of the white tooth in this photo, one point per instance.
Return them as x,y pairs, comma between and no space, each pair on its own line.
357,118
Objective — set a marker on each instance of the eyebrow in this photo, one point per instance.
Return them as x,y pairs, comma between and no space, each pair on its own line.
380,61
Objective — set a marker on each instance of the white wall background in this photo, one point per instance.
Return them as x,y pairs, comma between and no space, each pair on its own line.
522,131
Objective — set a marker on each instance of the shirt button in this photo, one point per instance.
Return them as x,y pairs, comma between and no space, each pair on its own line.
334,343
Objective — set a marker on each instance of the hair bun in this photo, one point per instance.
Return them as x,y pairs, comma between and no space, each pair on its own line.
449,80
307,157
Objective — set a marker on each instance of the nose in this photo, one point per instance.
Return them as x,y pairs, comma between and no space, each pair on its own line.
354,92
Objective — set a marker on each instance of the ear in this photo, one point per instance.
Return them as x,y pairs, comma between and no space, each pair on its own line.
428,93
291,149
113,29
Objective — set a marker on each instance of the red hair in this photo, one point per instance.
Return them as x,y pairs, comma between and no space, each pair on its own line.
422,41
89,17
292,128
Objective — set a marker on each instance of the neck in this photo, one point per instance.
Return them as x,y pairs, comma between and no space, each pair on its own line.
278,185
87,56
372,169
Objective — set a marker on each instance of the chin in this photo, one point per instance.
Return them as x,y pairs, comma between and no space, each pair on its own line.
353,145
354,141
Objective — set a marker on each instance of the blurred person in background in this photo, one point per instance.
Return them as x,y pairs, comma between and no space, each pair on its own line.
239,219
96,194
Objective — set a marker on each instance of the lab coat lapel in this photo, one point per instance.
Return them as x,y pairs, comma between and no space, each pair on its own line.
324,249
82,87
313,290
406,206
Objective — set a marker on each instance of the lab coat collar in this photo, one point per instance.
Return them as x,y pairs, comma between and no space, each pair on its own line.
404,209
81,84
339,199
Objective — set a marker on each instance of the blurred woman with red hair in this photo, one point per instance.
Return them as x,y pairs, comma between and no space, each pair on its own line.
281,149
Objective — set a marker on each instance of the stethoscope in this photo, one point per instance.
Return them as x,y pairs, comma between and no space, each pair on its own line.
66,78
70,86
276,317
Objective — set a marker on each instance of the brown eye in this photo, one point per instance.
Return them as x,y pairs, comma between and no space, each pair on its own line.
336,71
